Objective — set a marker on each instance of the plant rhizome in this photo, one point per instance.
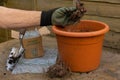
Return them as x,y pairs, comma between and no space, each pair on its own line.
60,69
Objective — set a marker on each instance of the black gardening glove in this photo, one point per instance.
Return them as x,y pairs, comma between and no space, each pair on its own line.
59,16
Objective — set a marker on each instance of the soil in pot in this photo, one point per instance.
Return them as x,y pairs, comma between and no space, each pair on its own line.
82,27
75,28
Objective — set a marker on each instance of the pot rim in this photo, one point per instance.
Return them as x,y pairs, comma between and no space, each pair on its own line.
82,34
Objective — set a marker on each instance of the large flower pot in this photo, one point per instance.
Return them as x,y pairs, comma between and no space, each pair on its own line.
81,49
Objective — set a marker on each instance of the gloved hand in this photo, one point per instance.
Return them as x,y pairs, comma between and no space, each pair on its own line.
58,16
61,17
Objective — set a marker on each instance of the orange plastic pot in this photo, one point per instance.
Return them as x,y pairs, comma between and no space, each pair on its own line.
81,51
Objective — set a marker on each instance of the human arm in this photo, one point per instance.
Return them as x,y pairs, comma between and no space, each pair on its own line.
16,18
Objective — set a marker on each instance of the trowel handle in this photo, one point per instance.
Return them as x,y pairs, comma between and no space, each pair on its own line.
21,34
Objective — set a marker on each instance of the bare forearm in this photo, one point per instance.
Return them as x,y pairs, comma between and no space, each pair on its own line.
15,19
